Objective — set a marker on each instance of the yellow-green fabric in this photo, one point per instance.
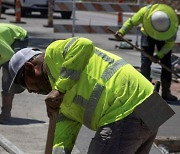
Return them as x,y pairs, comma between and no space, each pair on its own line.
139,19
66,133
173,19
8,34
116,91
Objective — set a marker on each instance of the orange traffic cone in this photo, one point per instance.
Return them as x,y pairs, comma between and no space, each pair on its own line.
18,12
120,17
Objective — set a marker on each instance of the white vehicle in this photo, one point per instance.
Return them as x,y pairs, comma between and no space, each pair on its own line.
28,6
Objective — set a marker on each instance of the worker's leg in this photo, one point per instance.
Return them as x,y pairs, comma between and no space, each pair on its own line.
7,98
146,146
123,137
166,76
147,44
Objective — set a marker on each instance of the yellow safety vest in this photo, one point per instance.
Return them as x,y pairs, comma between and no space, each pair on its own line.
8,34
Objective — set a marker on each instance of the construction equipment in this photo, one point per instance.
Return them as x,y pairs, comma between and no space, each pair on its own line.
149,56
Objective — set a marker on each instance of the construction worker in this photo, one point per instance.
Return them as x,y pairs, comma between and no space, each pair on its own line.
87,85
159,28
12,39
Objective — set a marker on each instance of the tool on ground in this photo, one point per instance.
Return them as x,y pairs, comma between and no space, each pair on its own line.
50,135
123,45
149,56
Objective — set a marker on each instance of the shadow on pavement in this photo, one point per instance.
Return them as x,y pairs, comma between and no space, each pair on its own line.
174,102
23,121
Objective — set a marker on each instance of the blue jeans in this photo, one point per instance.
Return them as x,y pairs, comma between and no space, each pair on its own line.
6,77
127,136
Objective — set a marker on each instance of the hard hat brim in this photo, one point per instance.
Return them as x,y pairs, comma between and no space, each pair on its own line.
16,63
149,29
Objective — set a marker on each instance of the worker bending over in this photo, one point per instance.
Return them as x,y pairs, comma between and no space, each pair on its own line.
87,86
159,28
12,39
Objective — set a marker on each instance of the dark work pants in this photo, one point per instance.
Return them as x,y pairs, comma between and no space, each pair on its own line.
148,45
127,136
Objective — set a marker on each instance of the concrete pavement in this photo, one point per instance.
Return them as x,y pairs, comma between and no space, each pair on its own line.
27,131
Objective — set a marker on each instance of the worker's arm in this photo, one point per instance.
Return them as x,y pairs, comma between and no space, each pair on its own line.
6,52
53,102
135,20
65,134
166,48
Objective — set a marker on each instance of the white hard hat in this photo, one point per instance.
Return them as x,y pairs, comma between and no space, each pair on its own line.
160,21
16,63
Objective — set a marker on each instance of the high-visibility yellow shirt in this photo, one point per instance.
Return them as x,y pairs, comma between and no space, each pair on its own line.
8,34
100,87
138,19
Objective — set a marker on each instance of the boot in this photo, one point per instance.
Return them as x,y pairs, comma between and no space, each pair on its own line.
166,94
6,108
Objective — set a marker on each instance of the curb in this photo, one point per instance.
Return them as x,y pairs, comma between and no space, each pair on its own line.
167,144
8,146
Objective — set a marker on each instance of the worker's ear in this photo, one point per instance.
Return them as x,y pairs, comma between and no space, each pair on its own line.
29,68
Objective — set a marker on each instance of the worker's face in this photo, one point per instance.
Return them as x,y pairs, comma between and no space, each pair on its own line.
34,80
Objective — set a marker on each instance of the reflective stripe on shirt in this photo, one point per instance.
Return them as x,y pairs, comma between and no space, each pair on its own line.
60,150
104,56
71,74
80,100
112,69
90,105
68,46
125,28
50,75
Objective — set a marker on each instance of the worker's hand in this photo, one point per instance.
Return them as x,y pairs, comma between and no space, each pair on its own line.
155,59
53,102
118,36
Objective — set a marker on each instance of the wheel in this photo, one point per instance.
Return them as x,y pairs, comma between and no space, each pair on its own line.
66,14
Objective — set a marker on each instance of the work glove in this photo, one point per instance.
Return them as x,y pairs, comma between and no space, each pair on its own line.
53,102
118,36
155,59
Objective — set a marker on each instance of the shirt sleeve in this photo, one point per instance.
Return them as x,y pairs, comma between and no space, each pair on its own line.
65,134
76,57
6,52
135,20
166,48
